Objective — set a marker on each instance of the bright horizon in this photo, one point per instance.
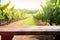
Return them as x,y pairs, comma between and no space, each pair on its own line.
25,4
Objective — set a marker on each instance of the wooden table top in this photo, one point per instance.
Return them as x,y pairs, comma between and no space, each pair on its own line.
31,30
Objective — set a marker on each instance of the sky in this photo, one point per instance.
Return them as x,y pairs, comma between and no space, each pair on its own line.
25,4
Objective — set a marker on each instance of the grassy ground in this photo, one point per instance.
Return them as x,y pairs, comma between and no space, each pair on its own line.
28,22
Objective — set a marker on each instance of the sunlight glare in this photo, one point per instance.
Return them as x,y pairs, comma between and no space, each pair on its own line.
26,4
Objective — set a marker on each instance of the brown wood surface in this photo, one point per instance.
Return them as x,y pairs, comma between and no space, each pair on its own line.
30,30
7,33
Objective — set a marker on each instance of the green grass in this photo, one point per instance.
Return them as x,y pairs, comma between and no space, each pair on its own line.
28,22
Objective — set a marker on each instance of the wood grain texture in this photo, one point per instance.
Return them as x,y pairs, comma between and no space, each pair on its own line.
28,30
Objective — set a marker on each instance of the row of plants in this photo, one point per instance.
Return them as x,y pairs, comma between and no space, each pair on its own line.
50,12
8,15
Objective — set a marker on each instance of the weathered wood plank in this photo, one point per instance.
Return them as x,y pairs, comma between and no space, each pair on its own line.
28,30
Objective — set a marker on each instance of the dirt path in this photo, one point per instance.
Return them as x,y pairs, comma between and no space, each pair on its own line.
23,22
14,23
26,22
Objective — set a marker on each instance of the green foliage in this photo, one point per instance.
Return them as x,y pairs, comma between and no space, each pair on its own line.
38,15
9,14
2,8
5,5
51,8
30,21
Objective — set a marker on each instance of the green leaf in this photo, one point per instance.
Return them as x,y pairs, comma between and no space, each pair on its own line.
6,5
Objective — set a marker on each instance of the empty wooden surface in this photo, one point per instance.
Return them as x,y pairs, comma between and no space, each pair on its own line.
30,30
